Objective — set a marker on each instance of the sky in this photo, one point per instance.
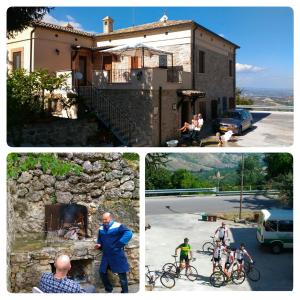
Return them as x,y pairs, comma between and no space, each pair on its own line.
265,34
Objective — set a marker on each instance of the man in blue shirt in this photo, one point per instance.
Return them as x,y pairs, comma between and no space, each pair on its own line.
112,237
58,282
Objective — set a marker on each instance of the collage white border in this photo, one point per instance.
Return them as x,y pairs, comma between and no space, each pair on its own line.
294,150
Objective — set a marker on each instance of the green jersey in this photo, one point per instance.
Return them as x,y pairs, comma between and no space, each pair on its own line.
184,249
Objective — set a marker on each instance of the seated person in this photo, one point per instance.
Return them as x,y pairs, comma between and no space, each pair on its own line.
59,282
189,126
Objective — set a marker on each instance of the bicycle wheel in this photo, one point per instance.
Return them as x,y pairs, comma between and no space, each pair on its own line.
208,247
238,278
191,273
169,268
167,280
253,274
217,279
149,280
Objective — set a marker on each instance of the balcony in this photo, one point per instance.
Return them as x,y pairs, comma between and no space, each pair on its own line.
144,78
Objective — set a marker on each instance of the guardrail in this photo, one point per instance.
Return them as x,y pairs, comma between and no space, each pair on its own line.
208,190
252,192
180,191
267,108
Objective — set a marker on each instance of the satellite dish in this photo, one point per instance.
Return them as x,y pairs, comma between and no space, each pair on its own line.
78,75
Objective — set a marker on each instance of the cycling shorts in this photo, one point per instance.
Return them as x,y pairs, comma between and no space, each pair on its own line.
217,260
240,261
184,258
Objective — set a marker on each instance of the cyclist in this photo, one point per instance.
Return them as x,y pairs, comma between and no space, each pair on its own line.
185,254
222,233
229,261
240,256
218,249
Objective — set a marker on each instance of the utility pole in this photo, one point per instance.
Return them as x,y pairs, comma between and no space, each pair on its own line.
242,187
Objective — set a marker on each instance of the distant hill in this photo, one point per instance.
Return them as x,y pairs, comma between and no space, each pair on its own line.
197,162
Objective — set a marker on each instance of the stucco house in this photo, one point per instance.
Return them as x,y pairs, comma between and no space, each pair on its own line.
143,99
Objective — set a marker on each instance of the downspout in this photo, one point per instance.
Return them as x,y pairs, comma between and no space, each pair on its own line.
234,74
193,56
160,114
31,45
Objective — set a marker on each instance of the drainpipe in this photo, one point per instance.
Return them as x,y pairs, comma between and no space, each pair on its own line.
160,113
193,56
31,45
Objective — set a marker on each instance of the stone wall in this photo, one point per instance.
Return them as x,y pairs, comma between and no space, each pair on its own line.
107,183
60,132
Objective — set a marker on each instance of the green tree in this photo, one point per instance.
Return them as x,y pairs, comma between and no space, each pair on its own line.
239,99
19,18
280,175
159,178
254,174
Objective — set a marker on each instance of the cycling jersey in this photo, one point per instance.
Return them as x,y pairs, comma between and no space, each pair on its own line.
218,251
184,249
222,231
240,254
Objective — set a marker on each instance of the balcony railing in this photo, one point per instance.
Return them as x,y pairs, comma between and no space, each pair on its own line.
117,75
174,75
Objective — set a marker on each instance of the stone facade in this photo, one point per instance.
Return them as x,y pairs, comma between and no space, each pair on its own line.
61,132
107,183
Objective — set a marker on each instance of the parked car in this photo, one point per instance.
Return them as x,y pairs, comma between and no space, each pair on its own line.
237,120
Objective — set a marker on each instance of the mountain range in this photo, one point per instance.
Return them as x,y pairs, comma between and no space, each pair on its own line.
197,162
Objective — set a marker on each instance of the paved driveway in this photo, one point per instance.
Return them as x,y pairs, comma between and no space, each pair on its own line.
168,231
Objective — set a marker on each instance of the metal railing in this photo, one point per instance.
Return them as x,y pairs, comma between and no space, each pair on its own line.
174,75
110,115
181,191
213,190
118,75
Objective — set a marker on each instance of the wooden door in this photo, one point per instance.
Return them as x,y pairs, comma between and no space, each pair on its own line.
214,109
107,66
134,62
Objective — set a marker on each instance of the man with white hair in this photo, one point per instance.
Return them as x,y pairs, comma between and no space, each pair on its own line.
112,237
59,282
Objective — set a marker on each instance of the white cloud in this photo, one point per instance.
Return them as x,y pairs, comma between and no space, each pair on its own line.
244,68
69,19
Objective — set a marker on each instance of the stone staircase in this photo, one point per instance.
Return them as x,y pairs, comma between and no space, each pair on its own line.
120,124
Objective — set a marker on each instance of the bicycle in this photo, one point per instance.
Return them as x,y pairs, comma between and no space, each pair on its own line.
167,280
208,247
174,269
251,272
219,278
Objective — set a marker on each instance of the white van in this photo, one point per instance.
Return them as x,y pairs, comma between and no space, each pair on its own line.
275,229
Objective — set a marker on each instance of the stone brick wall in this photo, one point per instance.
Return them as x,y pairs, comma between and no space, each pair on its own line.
61,132
107,183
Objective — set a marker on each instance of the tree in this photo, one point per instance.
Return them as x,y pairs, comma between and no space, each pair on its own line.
280,175
156,160
253,171
278,163
19,18
241,100
159,178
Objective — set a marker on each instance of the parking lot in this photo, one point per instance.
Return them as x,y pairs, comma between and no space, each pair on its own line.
168,231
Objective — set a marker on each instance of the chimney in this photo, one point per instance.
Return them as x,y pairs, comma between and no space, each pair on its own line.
108,24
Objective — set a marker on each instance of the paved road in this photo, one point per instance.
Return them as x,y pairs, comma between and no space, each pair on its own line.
169,230
269,129
210,204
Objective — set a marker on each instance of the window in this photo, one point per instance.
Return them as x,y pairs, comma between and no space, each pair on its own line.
285,226
201,62
271,226
17,60
230,68
163,61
